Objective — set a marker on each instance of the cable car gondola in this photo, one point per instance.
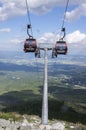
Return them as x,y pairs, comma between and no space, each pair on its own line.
61,47
30,45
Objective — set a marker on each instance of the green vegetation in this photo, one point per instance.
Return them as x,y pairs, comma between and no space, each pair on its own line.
21,93
11,116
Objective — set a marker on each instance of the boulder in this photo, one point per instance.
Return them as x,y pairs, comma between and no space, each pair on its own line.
58,126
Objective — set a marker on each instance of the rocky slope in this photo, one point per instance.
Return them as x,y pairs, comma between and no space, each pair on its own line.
34,124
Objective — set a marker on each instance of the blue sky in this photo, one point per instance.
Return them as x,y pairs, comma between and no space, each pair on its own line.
46,17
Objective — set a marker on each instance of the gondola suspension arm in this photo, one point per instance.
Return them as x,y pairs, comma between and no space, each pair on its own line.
29,27
62,27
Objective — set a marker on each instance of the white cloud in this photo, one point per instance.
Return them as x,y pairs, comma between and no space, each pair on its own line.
76,37
76,13
13,44
13,8
47,38
5,30
76,43
16,41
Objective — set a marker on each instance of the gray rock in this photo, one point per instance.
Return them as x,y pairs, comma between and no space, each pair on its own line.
1,128
4,122
58,126
8,128
45,127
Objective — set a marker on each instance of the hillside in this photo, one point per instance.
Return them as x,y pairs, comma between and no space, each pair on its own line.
21,86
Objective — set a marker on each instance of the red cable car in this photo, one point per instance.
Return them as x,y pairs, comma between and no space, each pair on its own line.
61,47
30,45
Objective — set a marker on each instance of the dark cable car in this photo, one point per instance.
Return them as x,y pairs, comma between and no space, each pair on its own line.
30,45
61,47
